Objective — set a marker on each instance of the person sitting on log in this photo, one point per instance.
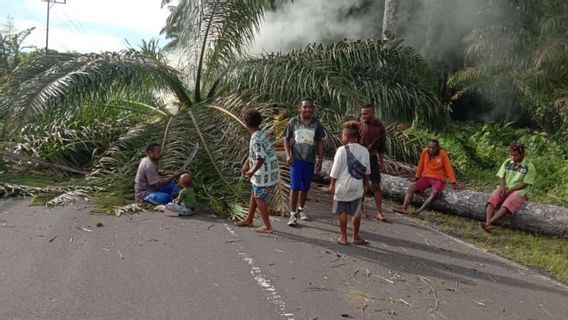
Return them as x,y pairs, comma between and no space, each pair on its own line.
150,185
433,169
516,176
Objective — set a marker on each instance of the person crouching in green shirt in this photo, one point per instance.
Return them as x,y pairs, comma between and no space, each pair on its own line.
184,204
516,177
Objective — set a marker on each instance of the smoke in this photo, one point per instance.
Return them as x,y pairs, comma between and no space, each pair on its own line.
294,25
436,28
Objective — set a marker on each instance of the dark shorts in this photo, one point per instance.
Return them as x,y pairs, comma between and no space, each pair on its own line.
375,176
352,208
301,174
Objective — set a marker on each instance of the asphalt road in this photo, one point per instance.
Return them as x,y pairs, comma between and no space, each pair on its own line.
57,264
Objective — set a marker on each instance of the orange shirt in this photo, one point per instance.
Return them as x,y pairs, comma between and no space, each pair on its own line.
438,167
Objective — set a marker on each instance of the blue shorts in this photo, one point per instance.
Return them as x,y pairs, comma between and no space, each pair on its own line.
164,195
264,193
301,174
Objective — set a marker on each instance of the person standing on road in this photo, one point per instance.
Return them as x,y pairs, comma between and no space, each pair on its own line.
372,135
303,136
262,169
349,181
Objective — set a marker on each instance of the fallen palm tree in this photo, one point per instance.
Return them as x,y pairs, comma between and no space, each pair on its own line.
533,217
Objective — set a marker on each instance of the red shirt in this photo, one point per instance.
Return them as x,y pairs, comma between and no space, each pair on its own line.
372,136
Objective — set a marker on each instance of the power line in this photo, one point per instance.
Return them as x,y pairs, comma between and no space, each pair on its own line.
50,3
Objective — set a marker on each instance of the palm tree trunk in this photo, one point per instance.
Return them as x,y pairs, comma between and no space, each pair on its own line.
532,217
390,19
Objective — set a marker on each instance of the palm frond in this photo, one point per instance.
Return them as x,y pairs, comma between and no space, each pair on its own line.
342,76
213,33
78,80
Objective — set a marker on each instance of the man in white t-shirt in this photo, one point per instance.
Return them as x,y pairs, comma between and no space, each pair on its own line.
348,191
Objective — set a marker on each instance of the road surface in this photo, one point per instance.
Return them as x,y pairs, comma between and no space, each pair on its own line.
57,264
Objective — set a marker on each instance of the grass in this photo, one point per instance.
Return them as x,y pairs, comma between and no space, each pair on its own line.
546,253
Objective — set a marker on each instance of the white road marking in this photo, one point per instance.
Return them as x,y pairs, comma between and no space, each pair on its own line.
263,282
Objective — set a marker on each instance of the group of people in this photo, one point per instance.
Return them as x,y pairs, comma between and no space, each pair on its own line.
356,166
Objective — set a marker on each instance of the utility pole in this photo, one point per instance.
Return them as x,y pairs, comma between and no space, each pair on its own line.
50,3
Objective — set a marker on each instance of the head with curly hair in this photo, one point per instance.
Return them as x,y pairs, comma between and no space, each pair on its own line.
433,147
516,151
252,118
350,131
307,108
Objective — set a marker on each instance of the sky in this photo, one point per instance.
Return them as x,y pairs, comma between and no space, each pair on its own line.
87,25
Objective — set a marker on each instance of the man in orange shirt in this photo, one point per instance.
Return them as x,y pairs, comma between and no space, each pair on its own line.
434,168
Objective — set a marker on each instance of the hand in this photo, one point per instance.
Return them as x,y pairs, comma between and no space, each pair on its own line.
249,174
502,191
331,189
177,201
289,160
178,173
318,166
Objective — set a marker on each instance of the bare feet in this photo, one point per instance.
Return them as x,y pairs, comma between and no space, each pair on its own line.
170,213
263,230
243,223
486,227
342,241
380,216
400,210
359,241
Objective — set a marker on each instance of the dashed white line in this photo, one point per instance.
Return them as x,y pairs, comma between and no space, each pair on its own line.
263,282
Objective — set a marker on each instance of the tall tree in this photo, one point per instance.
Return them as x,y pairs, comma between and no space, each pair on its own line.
518,59
390,19
224,81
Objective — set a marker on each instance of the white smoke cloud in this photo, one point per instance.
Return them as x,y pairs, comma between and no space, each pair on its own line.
294,25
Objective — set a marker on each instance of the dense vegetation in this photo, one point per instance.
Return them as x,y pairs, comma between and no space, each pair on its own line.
95,112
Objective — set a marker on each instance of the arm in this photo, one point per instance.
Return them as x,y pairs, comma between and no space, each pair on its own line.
381,161
252,171
517,187
365,184
331,188
449,169
320,156
420,168
288,134
163,181
288,148
245,168
381,147
338,163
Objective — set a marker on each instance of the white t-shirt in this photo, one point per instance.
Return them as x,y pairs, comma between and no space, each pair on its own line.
348,188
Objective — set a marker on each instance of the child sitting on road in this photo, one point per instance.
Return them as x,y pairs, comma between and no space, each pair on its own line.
184,204
349,187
